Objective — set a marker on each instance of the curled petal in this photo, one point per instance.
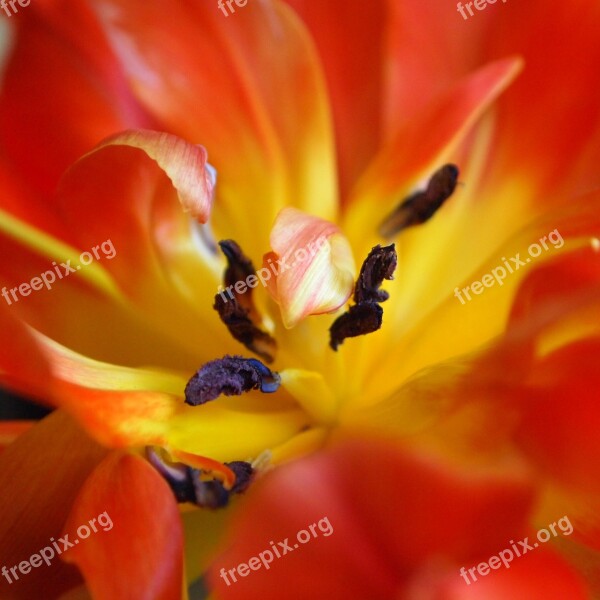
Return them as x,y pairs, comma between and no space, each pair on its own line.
313,265
185,165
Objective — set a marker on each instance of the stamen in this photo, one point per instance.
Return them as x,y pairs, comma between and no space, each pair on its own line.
421,206
366,316
175,474
208,494
188,484
230,376
378,266
244,473
237,311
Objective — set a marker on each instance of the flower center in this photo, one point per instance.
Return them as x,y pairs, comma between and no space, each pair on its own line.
211,484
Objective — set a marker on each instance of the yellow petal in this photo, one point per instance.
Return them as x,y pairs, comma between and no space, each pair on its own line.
312,392
225,431
313,266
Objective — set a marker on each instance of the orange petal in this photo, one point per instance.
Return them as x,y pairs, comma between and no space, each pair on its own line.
73,310
425,61
216,80
119,406
313,263
44,470
129,531
438,128
163,270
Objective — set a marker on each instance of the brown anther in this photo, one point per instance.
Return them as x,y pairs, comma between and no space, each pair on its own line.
366,316
421,206
237,311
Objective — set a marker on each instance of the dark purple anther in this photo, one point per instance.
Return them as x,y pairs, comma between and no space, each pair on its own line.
243,475
230,376
419,207
366,316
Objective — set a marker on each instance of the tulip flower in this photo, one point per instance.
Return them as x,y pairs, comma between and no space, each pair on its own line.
253,263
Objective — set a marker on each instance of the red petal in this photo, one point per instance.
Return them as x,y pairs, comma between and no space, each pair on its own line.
23,366
560,281
540,574
136,551
562,414
11,430
18,199
430,511
548,130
